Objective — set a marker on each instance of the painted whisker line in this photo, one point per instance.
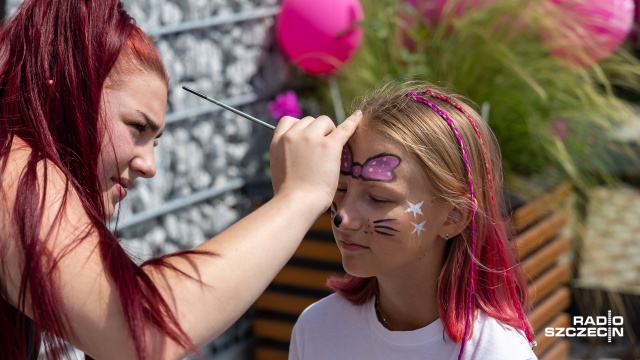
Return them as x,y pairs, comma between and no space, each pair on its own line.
383,233
386,228
246,116
383,220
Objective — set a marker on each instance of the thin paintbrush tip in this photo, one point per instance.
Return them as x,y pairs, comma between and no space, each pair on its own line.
246,116
194,92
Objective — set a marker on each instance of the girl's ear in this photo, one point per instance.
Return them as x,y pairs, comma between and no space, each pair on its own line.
458,218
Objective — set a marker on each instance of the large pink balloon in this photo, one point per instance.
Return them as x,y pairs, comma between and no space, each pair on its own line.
590,30
319,36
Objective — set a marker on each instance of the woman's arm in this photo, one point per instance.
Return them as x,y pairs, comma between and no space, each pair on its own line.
249,254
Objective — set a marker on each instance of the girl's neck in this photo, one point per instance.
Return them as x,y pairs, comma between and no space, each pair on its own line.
409,303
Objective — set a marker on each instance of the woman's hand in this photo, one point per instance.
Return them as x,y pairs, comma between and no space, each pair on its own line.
305,156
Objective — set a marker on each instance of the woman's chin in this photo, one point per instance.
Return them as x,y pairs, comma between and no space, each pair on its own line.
110,204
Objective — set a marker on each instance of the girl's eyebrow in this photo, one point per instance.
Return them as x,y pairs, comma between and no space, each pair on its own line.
391,187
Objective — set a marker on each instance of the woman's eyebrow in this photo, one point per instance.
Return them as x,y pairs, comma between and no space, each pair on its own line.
150,123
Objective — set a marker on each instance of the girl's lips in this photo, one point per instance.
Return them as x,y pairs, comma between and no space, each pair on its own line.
352,246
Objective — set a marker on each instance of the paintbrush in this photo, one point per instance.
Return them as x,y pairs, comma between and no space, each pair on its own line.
246,116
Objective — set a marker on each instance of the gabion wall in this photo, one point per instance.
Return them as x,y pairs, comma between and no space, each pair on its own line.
206,156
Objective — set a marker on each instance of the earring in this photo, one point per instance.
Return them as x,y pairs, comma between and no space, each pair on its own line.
446,237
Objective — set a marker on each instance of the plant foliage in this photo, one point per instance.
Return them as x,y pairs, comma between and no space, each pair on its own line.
546,112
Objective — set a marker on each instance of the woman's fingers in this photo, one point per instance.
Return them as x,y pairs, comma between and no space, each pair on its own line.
305,155
344,131
323,124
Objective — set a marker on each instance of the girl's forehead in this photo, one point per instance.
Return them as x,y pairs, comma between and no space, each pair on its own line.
365,144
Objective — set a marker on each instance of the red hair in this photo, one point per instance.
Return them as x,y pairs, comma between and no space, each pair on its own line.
55,57
480,272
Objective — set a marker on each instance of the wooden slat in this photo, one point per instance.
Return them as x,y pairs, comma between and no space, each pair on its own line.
285,303
273,329
318,250
531,239
323,223
548,281
265,353
559,351
545,257
544,342
541,206
298,276
549,307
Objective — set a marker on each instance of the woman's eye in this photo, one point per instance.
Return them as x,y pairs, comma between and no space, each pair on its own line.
139,127
341,190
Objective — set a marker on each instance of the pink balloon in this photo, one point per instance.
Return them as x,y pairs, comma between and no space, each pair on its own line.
591,29
319,36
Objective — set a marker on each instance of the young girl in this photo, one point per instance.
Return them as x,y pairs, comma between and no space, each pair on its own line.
83,95
417,218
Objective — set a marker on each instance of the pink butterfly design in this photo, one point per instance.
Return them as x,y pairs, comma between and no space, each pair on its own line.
377,168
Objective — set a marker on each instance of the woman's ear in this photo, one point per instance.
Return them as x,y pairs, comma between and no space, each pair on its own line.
458,218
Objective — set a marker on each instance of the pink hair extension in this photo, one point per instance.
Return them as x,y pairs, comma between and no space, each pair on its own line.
520,311
485,153
449,121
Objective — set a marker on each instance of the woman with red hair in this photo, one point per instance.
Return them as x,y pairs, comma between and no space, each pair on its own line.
83,94
418,218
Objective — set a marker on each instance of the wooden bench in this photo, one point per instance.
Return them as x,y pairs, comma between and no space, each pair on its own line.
541,243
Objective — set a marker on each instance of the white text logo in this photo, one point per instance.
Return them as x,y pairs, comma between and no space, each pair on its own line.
589,326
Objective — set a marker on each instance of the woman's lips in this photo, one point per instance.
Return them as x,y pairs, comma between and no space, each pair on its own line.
122,192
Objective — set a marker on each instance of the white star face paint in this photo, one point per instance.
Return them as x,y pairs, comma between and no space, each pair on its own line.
415,208
418,227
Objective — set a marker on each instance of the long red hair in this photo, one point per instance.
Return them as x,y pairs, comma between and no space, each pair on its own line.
55,57
480,270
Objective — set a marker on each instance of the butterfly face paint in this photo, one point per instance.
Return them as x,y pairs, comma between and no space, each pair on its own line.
377,168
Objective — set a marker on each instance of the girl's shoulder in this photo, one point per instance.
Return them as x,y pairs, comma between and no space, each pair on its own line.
334,304
493,339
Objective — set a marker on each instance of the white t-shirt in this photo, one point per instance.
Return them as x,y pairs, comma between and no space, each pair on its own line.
333,328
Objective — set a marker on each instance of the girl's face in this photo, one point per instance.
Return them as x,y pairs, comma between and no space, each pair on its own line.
386,219
135,111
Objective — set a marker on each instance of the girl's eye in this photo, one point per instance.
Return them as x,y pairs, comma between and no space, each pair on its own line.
378,199
341,190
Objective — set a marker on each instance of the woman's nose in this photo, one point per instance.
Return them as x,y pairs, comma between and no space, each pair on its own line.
144,163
